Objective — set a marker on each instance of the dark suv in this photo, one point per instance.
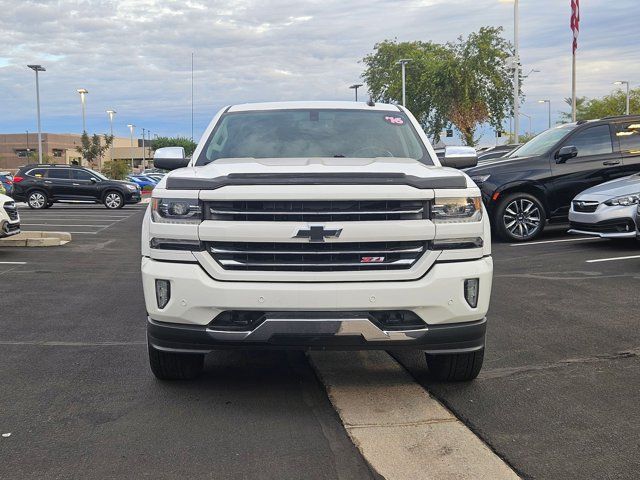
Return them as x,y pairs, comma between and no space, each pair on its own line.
536,183
43,185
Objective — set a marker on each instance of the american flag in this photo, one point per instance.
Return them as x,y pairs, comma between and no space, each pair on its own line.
575,22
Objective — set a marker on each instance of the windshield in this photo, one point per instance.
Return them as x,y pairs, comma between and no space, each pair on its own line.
313,133
543,142
97,174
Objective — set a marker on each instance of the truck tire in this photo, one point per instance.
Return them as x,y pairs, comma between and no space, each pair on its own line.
519,217
175,366
455,367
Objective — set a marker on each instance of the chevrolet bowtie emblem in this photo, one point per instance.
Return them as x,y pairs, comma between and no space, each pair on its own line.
317,233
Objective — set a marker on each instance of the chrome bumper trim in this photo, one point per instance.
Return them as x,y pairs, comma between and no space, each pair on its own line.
631,234
329,327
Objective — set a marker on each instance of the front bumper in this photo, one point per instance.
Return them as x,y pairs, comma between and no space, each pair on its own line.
606,222
303,333
8,229
437,298
133,197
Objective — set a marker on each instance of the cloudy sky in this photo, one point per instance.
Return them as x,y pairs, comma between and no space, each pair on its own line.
135,55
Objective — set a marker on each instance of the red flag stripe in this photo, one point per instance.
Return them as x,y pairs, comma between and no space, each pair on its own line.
575,22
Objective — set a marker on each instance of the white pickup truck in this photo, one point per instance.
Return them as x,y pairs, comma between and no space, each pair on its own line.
328,225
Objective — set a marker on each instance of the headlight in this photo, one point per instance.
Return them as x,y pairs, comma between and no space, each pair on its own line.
456,210
133,188
480,179
625,200
176,210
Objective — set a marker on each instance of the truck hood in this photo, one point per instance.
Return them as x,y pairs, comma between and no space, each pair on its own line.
247,171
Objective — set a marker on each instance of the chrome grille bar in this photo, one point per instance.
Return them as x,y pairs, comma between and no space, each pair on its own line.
317,257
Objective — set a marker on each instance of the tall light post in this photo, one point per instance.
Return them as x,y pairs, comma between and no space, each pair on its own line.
548,102
624,82
111,113
516,71
131,127
529,117
355,87
83,92
144,153
38,68
403,62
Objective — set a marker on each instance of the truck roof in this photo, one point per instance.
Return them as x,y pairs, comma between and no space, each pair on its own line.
246,107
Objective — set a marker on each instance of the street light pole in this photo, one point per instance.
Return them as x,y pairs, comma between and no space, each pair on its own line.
83,92
516,71
548,102
38,68
624,82
144,153
355,87
131,127
529,117
403,62
111,113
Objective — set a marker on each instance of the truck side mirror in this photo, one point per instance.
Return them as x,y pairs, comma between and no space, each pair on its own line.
170,158
566,153
459,157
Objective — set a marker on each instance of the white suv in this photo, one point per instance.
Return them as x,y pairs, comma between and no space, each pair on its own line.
9,217
315,225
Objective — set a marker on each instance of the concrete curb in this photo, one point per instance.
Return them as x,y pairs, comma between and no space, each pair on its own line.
402,432
36,239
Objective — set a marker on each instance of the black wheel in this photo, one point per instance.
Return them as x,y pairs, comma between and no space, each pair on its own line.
175,366
37,200
113,200
455,367
519,217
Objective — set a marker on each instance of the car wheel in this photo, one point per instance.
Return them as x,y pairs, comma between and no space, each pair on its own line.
520,217
113,200
455,367
175,366
37,200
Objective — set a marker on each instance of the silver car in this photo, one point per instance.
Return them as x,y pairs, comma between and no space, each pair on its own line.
608,210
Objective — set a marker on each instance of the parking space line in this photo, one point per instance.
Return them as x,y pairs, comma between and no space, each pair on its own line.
612,259
555,241
60,225
13,263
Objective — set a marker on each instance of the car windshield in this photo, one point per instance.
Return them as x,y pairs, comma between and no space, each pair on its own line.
542,143
97,174
313,133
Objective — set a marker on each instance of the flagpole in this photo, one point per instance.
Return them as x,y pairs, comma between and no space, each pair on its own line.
573,89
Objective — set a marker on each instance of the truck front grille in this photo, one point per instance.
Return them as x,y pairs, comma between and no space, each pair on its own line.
12,210
317,257
317,211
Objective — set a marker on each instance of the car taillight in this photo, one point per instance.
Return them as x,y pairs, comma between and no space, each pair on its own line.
17,179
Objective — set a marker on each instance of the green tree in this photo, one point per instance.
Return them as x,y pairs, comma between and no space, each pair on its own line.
613,104
116,169
92,148
464,83
188,144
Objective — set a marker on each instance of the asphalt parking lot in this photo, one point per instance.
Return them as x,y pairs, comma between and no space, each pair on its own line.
558,394
557,397
78,397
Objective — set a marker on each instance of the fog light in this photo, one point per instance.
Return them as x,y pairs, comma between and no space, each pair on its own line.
163,292
471,291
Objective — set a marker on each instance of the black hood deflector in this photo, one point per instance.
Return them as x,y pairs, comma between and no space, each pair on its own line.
392,178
